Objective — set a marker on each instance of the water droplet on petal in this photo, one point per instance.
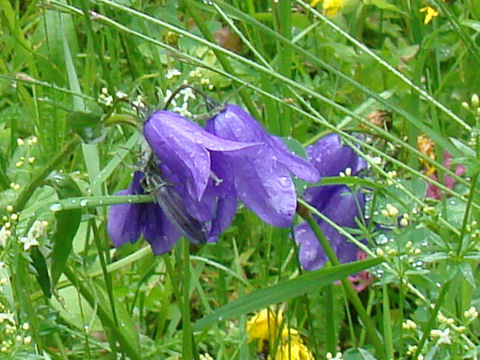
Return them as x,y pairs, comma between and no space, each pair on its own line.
284,181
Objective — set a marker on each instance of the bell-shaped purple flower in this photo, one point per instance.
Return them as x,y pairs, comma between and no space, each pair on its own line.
190,161
336,202
261,174
126,222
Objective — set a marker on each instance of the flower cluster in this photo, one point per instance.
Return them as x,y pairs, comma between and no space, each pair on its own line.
337,202
266,327
198,174
427,147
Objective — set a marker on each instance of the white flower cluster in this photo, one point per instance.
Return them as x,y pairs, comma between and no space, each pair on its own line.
37,231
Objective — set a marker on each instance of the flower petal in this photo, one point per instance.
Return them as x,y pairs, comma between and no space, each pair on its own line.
310,253
182,145
123,223
265,187
330,157
158,231
342,208
300,167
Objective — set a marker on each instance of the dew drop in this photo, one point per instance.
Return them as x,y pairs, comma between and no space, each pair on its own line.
83,203
56,207
284,181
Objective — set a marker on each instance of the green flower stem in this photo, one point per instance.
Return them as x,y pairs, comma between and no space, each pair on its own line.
187,348
466,216
105,316
38,178
191,7
431,321
348,287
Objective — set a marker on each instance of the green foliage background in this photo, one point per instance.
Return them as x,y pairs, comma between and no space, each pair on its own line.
302,75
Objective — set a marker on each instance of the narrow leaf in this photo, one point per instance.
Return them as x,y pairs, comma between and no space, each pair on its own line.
67,221
284,291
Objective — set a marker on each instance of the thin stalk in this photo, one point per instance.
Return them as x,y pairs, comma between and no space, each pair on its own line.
348,287
103,314
106,274
330,319
431,321
467,213
190,5
187,346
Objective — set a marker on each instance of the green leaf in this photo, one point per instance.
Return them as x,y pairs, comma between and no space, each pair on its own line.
384,5
358,354
87,125
284,291
67,221
41,272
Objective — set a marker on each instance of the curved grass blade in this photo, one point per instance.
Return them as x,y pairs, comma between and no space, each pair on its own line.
284,291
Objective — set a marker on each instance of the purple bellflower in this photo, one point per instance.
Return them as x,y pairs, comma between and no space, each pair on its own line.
261,174
194,191
126,222
337,202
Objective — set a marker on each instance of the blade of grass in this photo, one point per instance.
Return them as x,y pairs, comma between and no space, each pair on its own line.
284,291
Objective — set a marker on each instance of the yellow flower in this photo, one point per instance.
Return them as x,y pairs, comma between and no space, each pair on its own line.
430,14
292,347
264,325
330,7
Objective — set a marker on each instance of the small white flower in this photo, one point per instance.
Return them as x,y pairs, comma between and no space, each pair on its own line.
392,210
27,340
182,110
7,316
412,349
443,336
139,103
4,235
171,73
121,95
409,325
206,356
32,141
168,95
28,242
188,94
471,314
475,100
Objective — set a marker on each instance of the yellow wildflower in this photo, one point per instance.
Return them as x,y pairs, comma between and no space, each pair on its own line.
292,347
264,325
330,7
430,14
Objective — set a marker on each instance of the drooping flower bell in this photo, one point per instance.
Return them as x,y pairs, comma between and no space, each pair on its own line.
261,174
186,160
194,192
336,202
126,222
